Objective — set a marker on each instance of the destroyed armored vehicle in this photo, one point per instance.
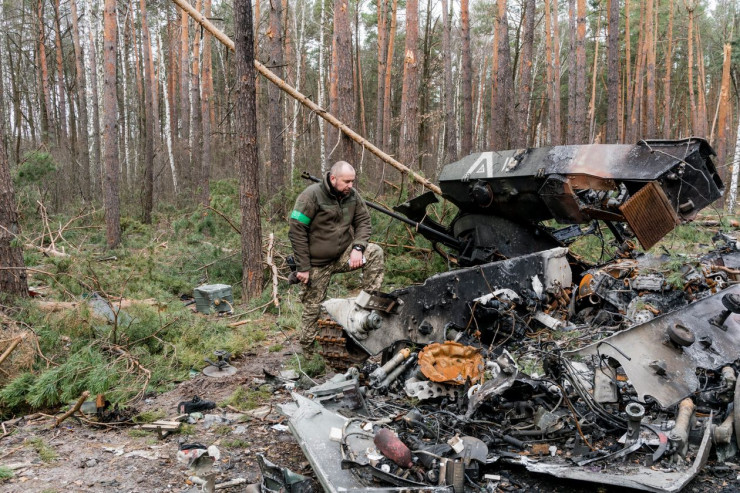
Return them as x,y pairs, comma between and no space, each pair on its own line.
621,373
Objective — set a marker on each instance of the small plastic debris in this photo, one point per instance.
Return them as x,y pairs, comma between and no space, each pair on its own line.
280,427
456,443
335,435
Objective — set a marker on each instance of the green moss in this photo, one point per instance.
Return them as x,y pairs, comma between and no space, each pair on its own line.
235,443
46,453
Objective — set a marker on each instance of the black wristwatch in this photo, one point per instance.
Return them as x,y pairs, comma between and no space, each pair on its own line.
359,248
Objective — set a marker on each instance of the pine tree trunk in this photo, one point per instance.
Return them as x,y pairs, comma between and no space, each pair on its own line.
735,171
185,152
298,81
387,87
149,115
96,164
110,128
525,74
409,138
701,87
555,121
382,54
667,79
612,55
690,5
466,130
246,131
12,269
633,129
276,169
205,191
61,86
321,89
650,46
167,114
571,131
592,105
502,121
581,130
196,141
341,95
449,103
81,84
627,99
723,123
47,117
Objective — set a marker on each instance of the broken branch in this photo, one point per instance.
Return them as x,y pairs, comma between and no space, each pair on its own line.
305,101
12,346
74,409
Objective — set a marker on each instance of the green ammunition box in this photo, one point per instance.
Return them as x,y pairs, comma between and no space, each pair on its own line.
213,298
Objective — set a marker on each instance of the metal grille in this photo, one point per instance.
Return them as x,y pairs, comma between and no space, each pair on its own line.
650,215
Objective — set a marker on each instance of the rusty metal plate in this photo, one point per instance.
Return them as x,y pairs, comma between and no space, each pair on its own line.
663,370
650,215
451,362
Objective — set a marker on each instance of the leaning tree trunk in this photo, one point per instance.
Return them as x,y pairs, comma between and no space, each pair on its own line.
110,126
246,131
12,270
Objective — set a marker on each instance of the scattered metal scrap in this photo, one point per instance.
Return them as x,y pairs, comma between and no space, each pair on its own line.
623,373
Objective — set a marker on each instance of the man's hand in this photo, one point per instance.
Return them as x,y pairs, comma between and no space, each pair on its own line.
302,276
355,259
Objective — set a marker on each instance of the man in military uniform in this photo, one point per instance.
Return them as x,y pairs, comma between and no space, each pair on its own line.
329,232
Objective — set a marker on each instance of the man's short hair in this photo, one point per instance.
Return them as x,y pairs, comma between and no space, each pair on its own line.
340,167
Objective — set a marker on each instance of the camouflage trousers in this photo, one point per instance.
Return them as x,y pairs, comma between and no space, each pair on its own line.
319,279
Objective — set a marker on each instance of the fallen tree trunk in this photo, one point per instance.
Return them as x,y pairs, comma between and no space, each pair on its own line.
305,101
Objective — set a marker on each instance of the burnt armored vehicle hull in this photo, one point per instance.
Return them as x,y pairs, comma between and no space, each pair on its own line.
504,196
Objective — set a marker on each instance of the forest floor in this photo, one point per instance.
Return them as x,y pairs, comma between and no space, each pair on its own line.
80,457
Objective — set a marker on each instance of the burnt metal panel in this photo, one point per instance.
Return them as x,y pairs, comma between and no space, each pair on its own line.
650,215
426,311
665,371
631,475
